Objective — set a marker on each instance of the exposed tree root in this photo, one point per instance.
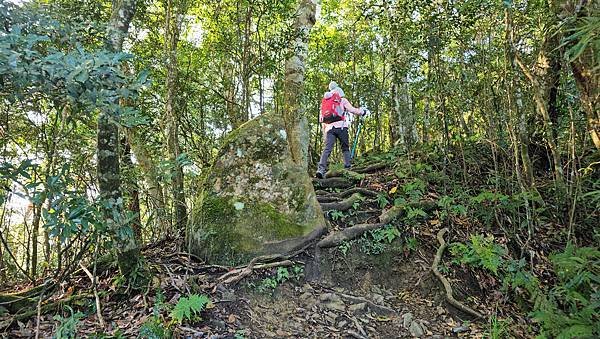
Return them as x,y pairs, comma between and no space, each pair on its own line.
240,273
449,297
350,233
29,312
324,195
343,205
383,310
370,168
363,191
332,183
385,218
344,173
327,199
14,302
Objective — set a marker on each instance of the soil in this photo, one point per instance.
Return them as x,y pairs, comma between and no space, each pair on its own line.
358,290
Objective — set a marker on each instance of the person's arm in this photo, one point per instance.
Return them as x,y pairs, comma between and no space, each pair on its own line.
349,108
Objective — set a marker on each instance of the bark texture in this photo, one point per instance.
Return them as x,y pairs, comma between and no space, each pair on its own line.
108,170
296,123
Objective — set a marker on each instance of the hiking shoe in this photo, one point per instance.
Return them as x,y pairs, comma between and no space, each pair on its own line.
319,175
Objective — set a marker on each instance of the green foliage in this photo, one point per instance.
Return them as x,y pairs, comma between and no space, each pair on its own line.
189,308
344,247
282,274
572,307
481,252
448,207
336,215
414,213
498,328
414,189
67,327
154,327
516,276
586,34
382,200
375,241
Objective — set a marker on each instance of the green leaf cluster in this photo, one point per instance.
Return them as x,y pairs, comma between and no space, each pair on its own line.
572,308
481,252
189,308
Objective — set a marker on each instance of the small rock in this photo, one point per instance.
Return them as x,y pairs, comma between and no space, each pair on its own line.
415,329
330,318
407,319
357,307
460,329
231,319
355,335
342,324
336,306
325,296
307,288
305,296
378,298
440,310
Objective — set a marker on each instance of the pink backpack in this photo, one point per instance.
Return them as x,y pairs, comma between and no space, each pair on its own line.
331,109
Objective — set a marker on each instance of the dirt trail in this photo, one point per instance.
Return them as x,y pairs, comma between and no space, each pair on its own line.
378,285
365,288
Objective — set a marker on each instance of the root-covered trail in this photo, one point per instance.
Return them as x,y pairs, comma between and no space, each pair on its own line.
369,277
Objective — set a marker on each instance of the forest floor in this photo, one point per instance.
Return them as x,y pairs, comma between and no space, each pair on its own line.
379,285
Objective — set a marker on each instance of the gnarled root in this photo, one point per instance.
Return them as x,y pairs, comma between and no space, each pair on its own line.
365,192
370,168
332,183
434,267
347,234
343,205
323,199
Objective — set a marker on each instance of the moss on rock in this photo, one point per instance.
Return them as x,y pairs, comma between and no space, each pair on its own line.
255,200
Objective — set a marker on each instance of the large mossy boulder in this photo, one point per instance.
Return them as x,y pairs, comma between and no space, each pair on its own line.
256,200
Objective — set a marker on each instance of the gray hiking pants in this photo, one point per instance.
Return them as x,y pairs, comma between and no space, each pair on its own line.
333,134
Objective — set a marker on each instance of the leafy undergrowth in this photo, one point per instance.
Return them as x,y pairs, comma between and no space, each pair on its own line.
510,256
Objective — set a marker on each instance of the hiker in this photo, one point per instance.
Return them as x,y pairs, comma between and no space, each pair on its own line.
333,117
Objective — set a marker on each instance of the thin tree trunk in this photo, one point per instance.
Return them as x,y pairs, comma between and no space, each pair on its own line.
157,202
109,175
296,123
174,13
131,190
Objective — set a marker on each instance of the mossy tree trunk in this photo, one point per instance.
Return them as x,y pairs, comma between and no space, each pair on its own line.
174,11
296,123
108,171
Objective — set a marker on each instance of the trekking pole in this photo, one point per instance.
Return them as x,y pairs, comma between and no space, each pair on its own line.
360,123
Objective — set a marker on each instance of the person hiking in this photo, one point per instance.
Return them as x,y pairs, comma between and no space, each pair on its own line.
334,120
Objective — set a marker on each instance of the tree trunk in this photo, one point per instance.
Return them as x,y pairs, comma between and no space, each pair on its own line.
108,171
174,13
131,190
296,123
157,202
